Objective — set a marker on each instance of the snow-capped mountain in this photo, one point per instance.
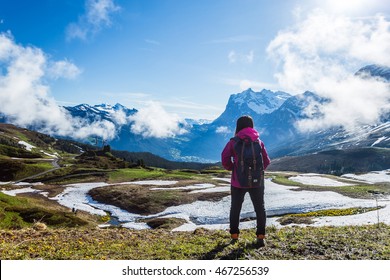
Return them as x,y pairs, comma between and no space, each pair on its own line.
99,112
375,71
275,115
263,102
251,103
277,124
125,139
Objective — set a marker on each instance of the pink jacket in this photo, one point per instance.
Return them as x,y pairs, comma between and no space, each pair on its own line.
229,157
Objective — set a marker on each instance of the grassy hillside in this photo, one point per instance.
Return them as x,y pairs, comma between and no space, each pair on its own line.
23,212
24,153
156,161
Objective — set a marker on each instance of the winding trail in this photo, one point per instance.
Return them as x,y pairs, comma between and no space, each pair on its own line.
54,163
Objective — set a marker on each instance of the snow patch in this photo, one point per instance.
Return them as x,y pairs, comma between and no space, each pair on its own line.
317,180
55,155
18,191
371,177
379,140
26,145
223,130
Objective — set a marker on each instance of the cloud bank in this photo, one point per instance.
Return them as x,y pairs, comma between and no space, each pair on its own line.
322,53
154,121
97,16
24,92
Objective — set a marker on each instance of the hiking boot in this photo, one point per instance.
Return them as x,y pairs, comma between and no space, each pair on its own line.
260,240
234,237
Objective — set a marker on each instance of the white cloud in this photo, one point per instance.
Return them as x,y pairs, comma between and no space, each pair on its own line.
234,57
244,84
119,117
223,130
250,56
98,11
322,53
152,42
154,121
97,15
24,94
255,85
64,69
355,8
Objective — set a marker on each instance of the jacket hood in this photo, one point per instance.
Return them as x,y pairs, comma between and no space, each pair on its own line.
248,132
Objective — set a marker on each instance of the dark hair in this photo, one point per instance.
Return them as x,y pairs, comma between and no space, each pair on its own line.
244,122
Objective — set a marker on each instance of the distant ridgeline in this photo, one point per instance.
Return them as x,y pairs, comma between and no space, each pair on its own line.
336,162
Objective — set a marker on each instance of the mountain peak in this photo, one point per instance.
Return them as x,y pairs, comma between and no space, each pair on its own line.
119,106
109,108
252,103
375,70
249,90
82,107
103,105
262,102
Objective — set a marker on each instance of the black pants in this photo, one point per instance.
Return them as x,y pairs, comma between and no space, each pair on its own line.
257,197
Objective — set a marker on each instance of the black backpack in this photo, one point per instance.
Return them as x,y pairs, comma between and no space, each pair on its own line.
250,168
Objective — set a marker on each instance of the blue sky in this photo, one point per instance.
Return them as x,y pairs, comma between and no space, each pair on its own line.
186,56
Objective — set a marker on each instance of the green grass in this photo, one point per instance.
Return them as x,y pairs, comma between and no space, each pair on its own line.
215,171
11,151
328,243
20,212
336,212
132,174
30,169
363,191
306,218
283,179
20,135
73,174
11,219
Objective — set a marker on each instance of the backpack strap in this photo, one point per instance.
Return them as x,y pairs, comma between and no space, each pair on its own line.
254,155
241,160
261,156
242,156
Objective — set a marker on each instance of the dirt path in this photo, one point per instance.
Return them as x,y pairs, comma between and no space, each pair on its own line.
55,164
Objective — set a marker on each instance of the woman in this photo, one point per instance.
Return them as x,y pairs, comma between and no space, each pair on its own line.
244,129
